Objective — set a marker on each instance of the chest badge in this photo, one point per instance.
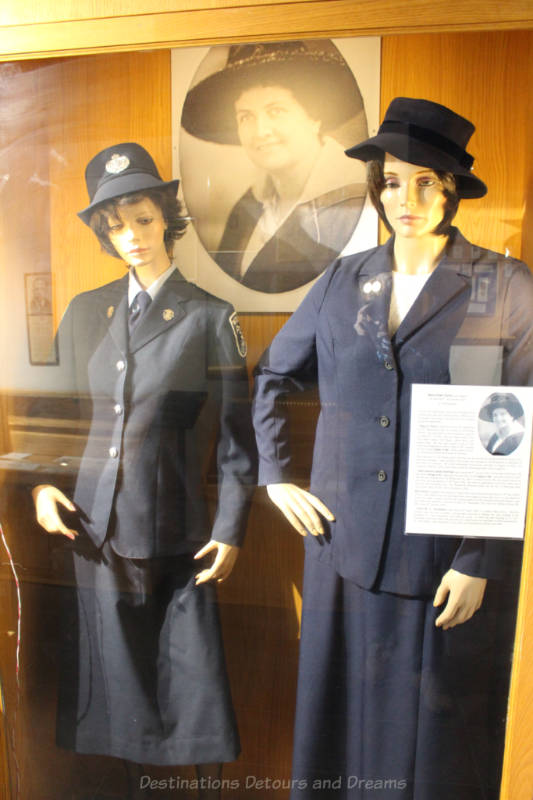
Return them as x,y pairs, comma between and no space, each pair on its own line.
238,335
168,314
110,311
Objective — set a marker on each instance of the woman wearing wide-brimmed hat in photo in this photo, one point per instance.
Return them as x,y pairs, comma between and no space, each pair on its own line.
403,657
504,412
157,367
285,103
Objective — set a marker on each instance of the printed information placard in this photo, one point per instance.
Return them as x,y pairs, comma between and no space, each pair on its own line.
469,458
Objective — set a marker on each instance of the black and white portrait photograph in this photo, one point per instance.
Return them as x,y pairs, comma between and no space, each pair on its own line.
501,424
259,135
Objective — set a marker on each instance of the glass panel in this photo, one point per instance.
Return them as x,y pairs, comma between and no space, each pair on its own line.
123,677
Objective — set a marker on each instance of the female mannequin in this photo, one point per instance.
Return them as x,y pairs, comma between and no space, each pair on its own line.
393,696
162,365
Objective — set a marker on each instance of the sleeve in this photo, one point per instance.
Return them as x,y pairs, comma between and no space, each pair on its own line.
236,454
288,365
63,403
483,558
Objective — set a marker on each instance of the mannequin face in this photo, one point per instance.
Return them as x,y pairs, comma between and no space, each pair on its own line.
137,234
274,128
413,198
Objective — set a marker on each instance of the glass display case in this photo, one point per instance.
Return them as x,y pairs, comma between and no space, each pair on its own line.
397,707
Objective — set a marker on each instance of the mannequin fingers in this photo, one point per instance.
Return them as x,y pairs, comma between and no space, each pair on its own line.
52,523
66,502
203,577
441,594
294,519
307,515
207,548
319,505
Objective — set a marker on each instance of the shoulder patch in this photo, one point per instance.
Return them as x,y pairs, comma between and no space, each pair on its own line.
238,335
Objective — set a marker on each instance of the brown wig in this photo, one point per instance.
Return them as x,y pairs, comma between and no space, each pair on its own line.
165,199
376,184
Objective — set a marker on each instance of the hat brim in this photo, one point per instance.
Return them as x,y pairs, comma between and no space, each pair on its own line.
122,185
209,113
513,407
422,154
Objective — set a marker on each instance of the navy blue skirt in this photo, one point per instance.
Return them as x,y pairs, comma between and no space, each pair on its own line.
390,706
144,677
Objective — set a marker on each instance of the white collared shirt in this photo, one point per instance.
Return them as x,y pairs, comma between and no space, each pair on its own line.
134,287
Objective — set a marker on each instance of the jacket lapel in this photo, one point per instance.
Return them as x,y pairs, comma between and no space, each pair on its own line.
374,286
167,309
114,312
447,283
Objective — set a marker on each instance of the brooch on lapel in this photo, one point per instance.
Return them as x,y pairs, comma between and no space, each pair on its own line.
110,311
168,314
370,288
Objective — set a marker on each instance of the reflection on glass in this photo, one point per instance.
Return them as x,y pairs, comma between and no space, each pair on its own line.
405,641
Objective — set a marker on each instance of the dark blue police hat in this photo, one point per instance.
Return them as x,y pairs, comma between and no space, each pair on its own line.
428,134
121,169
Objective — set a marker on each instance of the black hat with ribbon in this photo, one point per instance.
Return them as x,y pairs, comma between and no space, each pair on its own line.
428,134
313,70
121,169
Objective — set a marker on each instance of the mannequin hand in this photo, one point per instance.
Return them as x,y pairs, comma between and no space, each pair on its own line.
220,569
465,595
300,507
45,499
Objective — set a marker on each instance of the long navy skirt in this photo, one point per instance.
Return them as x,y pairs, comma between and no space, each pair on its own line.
390,706
144,677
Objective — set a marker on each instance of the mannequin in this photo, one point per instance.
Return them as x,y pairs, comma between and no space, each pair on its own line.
399,685
163,365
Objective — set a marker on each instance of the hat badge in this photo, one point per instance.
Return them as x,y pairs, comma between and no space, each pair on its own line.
117,164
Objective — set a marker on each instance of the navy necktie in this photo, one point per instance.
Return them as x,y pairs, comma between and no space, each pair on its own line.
138,307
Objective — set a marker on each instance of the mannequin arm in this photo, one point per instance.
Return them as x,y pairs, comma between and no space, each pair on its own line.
45,499
465,596
300,507
220,569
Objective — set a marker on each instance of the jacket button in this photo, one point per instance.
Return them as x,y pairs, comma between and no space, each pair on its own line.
382,476
117,409
384,421
388,364
113,452
121,365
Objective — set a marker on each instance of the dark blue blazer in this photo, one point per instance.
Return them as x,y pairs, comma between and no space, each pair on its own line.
161,407
472,323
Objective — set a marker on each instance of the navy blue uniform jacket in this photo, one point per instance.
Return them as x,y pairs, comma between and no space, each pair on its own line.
472,323
161,405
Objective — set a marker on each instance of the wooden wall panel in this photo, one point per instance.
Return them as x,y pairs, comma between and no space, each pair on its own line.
212,22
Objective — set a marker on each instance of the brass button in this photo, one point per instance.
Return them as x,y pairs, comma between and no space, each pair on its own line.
382,476
384,421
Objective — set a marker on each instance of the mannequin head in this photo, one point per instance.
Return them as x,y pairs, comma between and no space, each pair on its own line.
392,183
